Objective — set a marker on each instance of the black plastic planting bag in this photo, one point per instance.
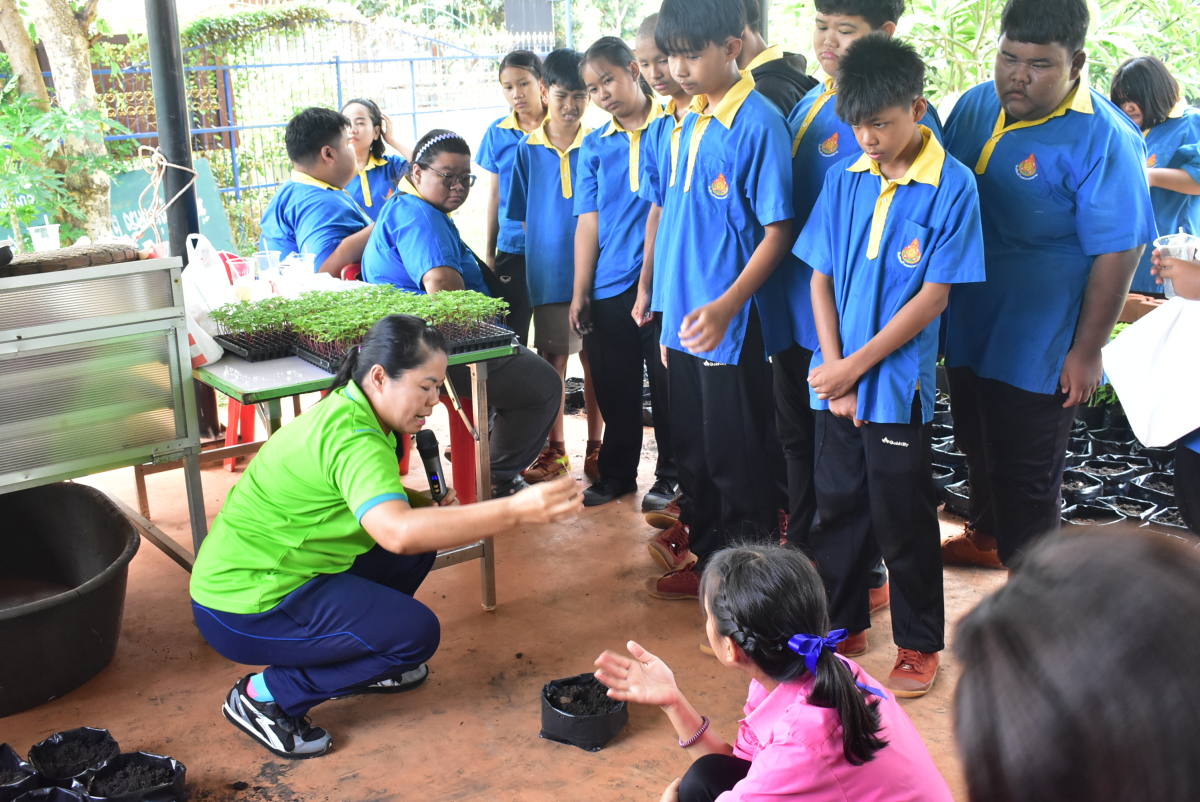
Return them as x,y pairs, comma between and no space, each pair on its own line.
16,776
51,795
139,777
590,732
73,755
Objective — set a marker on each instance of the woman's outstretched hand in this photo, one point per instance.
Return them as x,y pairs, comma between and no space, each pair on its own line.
644,679
549,502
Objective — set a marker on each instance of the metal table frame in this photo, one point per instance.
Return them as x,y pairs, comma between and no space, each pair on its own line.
269,401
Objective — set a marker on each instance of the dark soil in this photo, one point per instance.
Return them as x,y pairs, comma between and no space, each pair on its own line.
583,700
69,758
1075,485
1173,517
1132,510
1083,521
1104,471
1162,486
11,776
130,779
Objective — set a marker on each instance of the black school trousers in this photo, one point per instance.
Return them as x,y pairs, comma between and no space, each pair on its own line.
1016,447
875,496
1187,486
617,350
510,269
796,425
731,470
709,776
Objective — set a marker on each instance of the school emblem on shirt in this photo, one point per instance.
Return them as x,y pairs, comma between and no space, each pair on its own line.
390,192
719,188
912,254
830,146
1152,160
1028,168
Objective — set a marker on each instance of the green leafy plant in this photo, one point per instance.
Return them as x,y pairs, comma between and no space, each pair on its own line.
1105,394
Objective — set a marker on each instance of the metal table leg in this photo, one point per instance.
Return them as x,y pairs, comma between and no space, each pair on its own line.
483,478
195,494
272,412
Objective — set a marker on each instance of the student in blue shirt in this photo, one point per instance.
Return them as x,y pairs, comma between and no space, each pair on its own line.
1145,90
890,233
610,234
1066,214
417,247
726,223
521,81
542,197
378,173
312,213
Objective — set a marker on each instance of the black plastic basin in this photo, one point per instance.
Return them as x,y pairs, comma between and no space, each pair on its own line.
66,559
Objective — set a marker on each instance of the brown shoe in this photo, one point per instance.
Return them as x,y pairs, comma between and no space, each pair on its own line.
676,585
670,548
853,646
552,462
591,460
962,549
913,674
666,517
881,598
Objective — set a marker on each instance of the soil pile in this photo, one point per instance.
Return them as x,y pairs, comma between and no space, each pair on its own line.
69,758
584,700
130,779
10,776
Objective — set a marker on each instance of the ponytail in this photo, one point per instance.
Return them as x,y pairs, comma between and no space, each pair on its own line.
614,51
398,343
760,597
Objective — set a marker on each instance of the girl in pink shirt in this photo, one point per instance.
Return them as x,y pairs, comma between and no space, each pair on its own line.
817,728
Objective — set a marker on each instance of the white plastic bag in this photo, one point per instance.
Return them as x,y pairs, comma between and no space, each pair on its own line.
1154,365
205,282
204,348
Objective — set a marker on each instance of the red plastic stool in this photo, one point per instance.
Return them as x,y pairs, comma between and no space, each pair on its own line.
462,450
406,444
242,417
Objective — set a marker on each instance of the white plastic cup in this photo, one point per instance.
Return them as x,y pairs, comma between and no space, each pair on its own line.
266,262
45,238
1177,246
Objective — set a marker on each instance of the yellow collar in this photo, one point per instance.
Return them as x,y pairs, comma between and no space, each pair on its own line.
539,137
635,140
656,111
409,188
926,169
770,54
822,99
725,113
373,162
510,122
1178,110
305,178
1079,99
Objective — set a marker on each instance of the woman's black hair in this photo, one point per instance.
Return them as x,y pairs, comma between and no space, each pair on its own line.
376,120
1078,676
1146,81
562,69
763,595
522,59
689,26
1047,22
613,50
398,343
426,151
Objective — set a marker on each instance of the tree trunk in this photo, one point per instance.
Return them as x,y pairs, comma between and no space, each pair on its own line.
65,38
21,53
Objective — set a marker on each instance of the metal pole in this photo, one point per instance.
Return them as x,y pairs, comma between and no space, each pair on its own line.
337,66
170,106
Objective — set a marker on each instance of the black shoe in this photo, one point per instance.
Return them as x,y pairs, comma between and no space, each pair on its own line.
606,490
405,682
291,737
510,488
661,493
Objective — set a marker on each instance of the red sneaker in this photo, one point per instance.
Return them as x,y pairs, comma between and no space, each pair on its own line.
881,598
665,518
674,585
854,645
670,549
914,673
965,549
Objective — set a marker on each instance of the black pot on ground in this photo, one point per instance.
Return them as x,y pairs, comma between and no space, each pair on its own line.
576,711
1074,460
942,476
1081,447
943,384
942,431
16,776
1115,473
1078,428
958,499
1168,520
50,795
139,777
1156,487
1112,442
1078,487
942,417
1114,417
1092,417
1134,508
948,454
73,755
1090,515
1161,459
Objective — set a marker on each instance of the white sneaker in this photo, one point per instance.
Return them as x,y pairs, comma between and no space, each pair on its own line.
290,737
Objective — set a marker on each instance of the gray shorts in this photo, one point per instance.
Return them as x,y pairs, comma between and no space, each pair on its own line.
552,330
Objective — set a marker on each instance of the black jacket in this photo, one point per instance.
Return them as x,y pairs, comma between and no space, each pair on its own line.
784,81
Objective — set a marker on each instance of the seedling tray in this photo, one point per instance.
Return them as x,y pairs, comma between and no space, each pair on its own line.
484,338
326,364
267,346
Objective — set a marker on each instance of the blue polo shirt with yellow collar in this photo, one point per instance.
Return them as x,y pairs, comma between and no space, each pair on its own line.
372,186
498,154
1174,144
881,241
731,178
413,237
611,171
1055,193
659,149
309,216
542,196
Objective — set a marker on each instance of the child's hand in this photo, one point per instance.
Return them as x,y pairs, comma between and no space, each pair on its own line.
581,316
834,379
1081,375
846,406
672,792
641,308
1184,275
644,679
704,328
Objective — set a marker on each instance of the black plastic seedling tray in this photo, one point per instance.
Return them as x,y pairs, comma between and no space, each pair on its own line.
490,335
324,363
271,346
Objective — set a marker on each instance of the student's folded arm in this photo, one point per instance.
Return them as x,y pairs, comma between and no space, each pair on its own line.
442,278
349,251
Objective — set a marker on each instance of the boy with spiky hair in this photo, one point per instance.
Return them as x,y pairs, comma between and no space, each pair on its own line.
890,232
1066,211
725,225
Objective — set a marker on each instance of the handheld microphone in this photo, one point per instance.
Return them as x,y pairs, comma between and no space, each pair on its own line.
427,446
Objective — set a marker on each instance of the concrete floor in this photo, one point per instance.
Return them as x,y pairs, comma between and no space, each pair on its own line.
471,732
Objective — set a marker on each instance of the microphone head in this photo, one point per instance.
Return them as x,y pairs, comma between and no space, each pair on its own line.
427,443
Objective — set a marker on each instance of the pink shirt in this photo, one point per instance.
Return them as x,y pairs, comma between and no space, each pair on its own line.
796,751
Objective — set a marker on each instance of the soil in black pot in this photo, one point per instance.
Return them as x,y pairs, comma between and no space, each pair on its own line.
584,700
1161,485
130,779
10,776
69,758
1074,486
1128,508
1170,516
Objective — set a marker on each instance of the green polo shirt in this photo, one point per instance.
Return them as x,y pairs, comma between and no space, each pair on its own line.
295,513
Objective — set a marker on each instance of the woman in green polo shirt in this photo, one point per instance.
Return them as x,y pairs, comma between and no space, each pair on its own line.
312,564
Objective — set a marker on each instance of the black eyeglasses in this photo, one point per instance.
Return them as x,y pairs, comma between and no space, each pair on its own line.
448,181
